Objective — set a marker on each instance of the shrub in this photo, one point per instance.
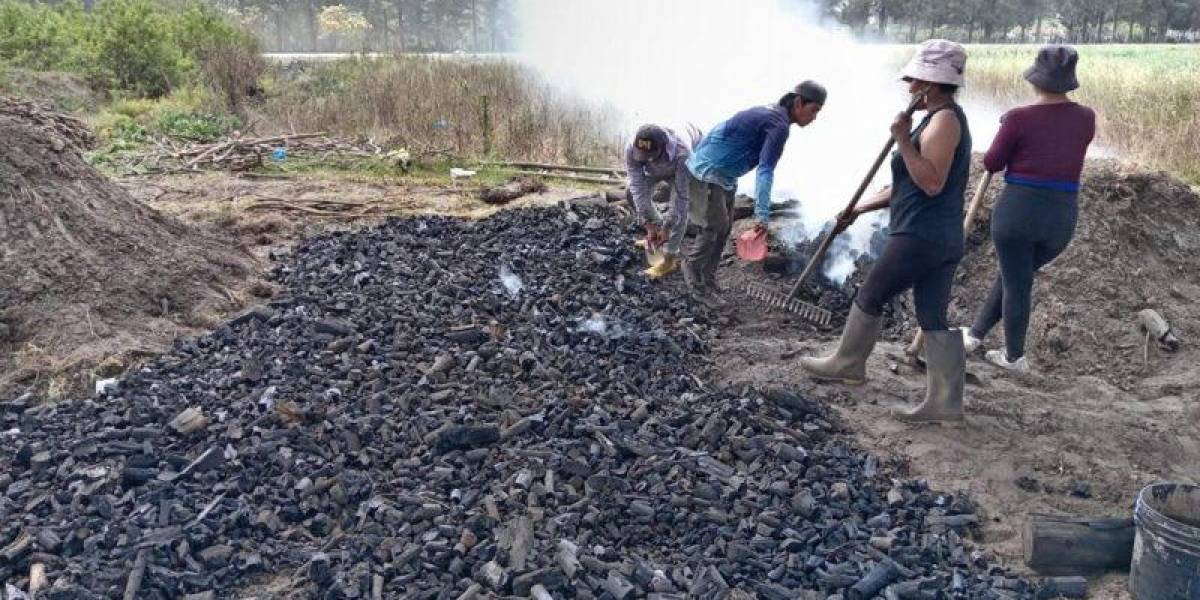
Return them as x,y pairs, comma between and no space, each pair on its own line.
229,58
145,47
134,48
196,127
36,36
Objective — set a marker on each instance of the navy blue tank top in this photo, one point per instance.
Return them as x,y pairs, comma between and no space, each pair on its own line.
937,218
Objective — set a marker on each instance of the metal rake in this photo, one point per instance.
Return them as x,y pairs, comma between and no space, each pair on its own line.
804,310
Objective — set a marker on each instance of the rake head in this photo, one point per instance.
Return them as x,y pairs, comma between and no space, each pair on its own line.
809,312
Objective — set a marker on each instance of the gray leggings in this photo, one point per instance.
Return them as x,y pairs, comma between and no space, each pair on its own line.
1030,227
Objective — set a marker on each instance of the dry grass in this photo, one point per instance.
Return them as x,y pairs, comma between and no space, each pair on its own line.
1147,98
468,107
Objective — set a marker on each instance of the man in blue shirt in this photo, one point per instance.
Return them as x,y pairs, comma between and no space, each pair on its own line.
753,138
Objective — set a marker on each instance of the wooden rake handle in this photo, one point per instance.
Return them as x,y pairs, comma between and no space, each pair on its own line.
968,222
818,257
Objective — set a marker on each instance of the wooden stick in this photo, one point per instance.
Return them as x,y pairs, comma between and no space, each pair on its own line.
134,583
1070,545
579,178
552,167
819,256
914,348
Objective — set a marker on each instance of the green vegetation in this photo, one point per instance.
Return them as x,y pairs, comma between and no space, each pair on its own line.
466,107
1145,97
138,47
126,125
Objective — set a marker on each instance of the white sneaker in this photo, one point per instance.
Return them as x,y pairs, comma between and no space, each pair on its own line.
1000,359
970,342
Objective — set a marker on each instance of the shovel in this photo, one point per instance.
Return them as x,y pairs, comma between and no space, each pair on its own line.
810,312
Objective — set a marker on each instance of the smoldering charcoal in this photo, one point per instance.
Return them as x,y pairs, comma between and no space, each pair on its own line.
422,432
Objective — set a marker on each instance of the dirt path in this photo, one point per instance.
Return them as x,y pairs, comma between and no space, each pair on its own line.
1037,444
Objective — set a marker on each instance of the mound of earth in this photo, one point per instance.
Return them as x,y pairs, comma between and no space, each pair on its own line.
89,273
1136,247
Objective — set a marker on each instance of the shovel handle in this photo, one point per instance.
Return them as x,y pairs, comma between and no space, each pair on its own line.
968,221
818,257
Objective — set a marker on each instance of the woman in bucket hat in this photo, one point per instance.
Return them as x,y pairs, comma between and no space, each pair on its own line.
1041,148
930,169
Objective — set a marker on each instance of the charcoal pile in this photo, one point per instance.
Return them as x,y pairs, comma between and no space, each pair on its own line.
435,409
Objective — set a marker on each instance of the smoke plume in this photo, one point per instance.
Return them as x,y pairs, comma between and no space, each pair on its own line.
700,61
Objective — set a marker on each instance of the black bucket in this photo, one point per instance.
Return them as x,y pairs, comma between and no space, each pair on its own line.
1166,551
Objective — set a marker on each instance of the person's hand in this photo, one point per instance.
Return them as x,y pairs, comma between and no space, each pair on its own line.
655,234
845,219
760,227
902,127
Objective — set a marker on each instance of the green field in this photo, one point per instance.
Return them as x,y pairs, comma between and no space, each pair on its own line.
1147,97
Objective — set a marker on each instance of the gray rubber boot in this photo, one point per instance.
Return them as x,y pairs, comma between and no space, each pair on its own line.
848,364
946,370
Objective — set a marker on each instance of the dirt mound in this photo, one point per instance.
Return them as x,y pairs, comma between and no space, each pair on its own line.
1136,247
88,272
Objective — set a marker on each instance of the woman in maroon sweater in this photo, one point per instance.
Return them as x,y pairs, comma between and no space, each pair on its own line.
1041,148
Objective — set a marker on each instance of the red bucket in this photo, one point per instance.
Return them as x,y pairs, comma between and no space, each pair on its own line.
752,245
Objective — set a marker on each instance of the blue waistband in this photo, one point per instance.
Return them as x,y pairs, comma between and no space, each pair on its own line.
1058,186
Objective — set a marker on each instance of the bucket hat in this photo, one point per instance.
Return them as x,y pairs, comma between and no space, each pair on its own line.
937,61
1054,69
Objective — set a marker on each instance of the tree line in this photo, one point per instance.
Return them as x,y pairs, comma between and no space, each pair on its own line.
490,25
378,25
1021,21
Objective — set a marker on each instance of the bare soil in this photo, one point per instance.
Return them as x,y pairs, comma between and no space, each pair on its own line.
1098,419
92,278
266,211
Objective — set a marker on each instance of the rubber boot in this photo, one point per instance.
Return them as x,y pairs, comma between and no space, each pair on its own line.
693,278
848,364
666,264
945,374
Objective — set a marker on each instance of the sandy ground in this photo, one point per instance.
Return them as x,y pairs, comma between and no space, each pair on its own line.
1061,444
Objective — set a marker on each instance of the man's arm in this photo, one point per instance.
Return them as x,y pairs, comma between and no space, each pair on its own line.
639,186
764,181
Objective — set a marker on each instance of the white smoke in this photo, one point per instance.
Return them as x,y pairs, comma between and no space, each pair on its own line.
511,282
594,324
700,61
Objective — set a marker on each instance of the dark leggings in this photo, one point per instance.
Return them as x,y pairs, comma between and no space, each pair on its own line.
907,262
1030,227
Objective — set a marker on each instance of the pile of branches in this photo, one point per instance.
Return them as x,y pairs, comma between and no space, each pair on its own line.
246,153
